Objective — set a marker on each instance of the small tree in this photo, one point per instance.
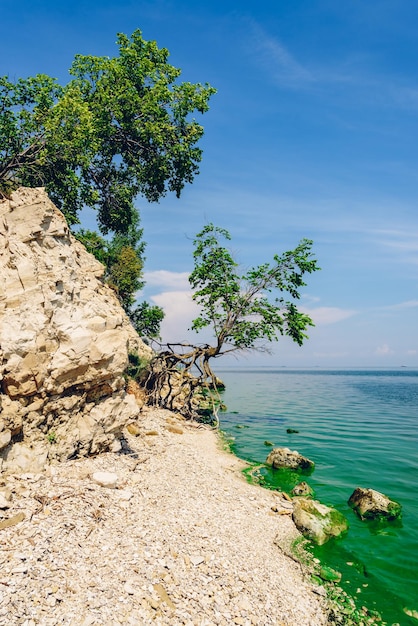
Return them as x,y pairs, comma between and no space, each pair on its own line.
245,311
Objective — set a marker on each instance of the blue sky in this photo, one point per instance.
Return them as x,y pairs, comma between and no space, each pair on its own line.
313,133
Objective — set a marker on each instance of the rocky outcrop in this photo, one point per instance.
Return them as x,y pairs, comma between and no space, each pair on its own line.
371,504
64,341
318,521
290,459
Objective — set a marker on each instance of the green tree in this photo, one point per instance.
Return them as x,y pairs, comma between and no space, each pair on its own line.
120,128
245,311
122,257
146,319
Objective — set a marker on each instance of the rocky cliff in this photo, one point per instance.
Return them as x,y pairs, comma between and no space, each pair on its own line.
64,341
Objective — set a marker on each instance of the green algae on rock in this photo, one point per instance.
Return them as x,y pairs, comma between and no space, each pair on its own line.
329,574
317,521
290,459
302,489
371,504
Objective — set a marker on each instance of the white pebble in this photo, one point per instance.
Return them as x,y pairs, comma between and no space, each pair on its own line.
105,479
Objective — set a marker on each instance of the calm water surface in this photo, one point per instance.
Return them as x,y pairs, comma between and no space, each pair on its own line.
361,429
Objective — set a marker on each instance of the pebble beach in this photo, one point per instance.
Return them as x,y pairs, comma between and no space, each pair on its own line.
165,532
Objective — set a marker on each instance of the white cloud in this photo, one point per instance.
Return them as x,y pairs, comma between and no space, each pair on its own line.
354,72
275,57
408,304
384,350
180,310
403,240
167,280
325,315
308,298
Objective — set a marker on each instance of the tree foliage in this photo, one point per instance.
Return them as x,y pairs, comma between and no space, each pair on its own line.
122,256
146,319
239,308
120,128
244,310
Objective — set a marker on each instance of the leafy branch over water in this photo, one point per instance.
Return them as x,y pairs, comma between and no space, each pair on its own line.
243,311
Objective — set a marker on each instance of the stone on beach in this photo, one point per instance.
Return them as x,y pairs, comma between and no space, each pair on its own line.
106,479
5,498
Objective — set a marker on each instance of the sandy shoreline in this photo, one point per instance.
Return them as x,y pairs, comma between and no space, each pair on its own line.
182,540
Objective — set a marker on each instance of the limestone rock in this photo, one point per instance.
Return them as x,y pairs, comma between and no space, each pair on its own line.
5,498
134,429
290,459
25,457
318,521
106,479
5,438
64,341
302,489
371,504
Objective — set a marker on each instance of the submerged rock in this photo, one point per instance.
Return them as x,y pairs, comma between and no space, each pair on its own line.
329,574
290,459
371,504
318,521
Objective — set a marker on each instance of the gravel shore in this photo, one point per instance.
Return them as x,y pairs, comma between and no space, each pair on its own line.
182,539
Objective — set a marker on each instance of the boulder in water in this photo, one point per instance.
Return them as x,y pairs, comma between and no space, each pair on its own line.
290,459
371,504
317,521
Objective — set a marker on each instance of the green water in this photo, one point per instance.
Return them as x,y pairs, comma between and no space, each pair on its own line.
361,429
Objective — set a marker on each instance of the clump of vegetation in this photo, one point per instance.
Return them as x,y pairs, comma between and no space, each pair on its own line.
343,610
52,437
123,259
137,366
342,607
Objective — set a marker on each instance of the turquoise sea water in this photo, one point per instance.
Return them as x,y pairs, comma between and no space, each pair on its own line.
361,429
